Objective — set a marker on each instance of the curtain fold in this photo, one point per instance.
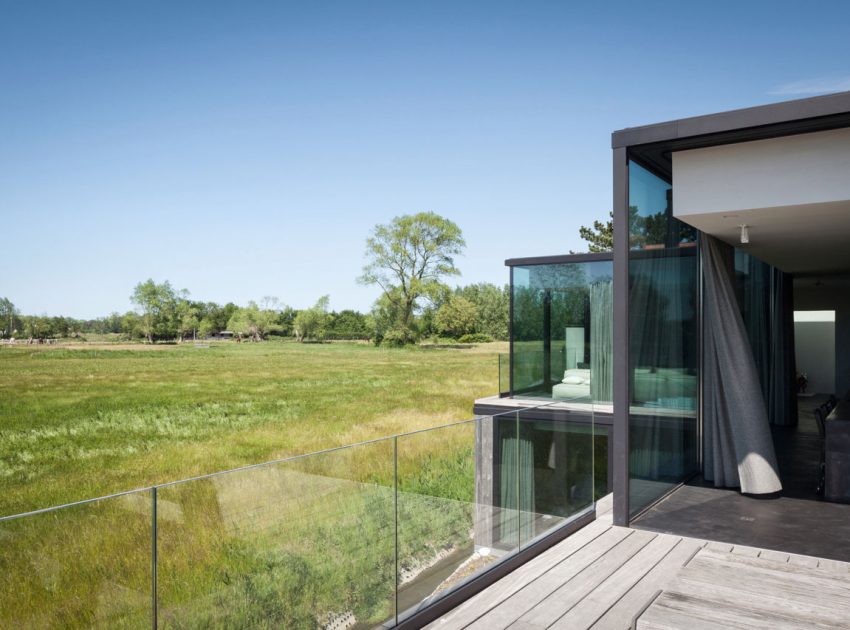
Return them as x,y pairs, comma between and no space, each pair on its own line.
601,341
737,439
516,490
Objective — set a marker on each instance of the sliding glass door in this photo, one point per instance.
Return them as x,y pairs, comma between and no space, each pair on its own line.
663,342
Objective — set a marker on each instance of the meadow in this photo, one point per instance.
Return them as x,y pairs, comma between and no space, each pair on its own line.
87,421
288,545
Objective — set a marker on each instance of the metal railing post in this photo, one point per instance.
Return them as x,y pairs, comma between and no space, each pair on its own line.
395,517
154,602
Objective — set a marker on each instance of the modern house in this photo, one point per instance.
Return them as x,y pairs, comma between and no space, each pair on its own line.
678,347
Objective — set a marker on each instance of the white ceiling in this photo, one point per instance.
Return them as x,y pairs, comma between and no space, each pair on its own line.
808,238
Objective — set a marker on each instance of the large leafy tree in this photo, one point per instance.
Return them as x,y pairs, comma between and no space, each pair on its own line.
457,317
157,303
409,258
256,321
8,317
493,304
311,323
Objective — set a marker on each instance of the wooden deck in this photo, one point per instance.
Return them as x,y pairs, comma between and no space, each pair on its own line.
613,577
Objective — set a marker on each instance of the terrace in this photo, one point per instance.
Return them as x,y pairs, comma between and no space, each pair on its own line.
606,577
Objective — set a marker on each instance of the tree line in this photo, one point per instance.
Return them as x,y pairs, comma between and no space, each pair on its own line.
471,313
409,258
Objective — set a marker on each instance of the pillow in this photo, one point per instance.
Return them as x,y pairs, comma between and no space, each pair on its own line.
574,379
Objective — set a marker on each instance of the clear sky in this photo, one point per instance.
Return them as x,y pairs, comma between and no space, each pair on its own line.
245,149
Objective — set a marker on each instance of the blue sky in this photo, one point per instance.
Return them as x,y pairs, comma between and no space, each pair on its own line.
246,149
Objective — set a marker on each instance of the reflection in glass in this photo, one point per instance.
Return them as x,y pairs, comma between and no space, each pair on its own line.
663,342
556,466
445,515
561,323
80,566
301,543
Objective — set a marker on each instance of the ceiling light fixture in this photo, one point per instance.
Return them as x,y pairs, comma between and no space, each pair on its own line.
745,234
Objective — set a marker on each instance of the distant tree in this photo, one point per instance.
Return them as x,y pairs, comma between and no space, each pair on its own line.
385,316
408,259
186,318
600,236
493,304
8,317
286,321
157,303
254,322
456,317
311,323
131,325
650,229
347,324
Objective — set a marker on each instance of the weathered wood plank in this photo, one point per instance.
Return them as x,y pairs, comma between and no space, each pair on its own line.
773,556
743,550
674,611
548,610
533,593
806,599
605,505
834,566
718,546
802,561
621,614
789,569
588,611
491,597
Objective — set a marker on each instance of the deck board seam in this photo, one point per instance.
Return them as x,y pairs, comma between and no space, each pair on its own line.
590,567
633,586
525,584
582,570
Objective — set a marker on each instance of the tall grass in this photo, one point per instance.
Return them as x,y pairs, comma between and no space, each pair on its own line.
278,546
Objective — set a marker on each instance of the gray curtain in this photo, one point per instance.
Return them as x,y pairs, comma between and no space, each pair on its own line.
516,518
601,341
754,286
737,439
782,391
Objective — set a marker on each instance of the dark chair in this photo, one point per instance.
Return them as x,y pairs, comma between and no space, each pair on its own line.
831,401
820,416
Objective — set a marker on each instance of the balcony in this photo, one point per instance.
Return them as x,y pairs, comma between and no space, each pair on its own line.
607,577
386,532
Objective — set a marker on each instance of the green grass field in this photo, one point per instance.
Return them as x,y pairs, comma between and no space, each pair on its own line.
85,422
280,546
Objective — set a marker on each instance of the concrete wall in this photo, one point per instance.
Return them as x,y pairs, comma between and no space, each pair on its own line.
822,299
804,169
815,353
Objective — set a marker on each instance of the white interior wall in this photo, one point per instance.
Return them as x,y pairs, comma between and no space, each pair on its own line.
814,344
825,299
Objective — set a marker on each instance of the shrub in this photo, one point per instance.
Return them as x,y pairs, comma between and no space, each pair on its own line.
475,338
398,337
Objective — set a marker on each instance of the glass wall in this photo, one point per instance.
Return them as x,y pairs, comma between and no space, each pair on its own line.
561,322
752,285
663,336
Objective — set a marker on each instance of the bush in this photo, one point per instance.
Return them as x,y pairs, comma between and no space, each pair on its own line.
398,337
475,338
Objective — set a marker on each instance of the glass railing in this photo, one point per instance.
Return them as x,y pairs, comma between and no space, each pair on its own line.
352,537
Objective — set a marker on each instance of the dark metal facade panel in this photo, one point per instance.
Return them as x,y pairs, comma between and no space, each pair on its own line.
559,259
801,110
620,434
